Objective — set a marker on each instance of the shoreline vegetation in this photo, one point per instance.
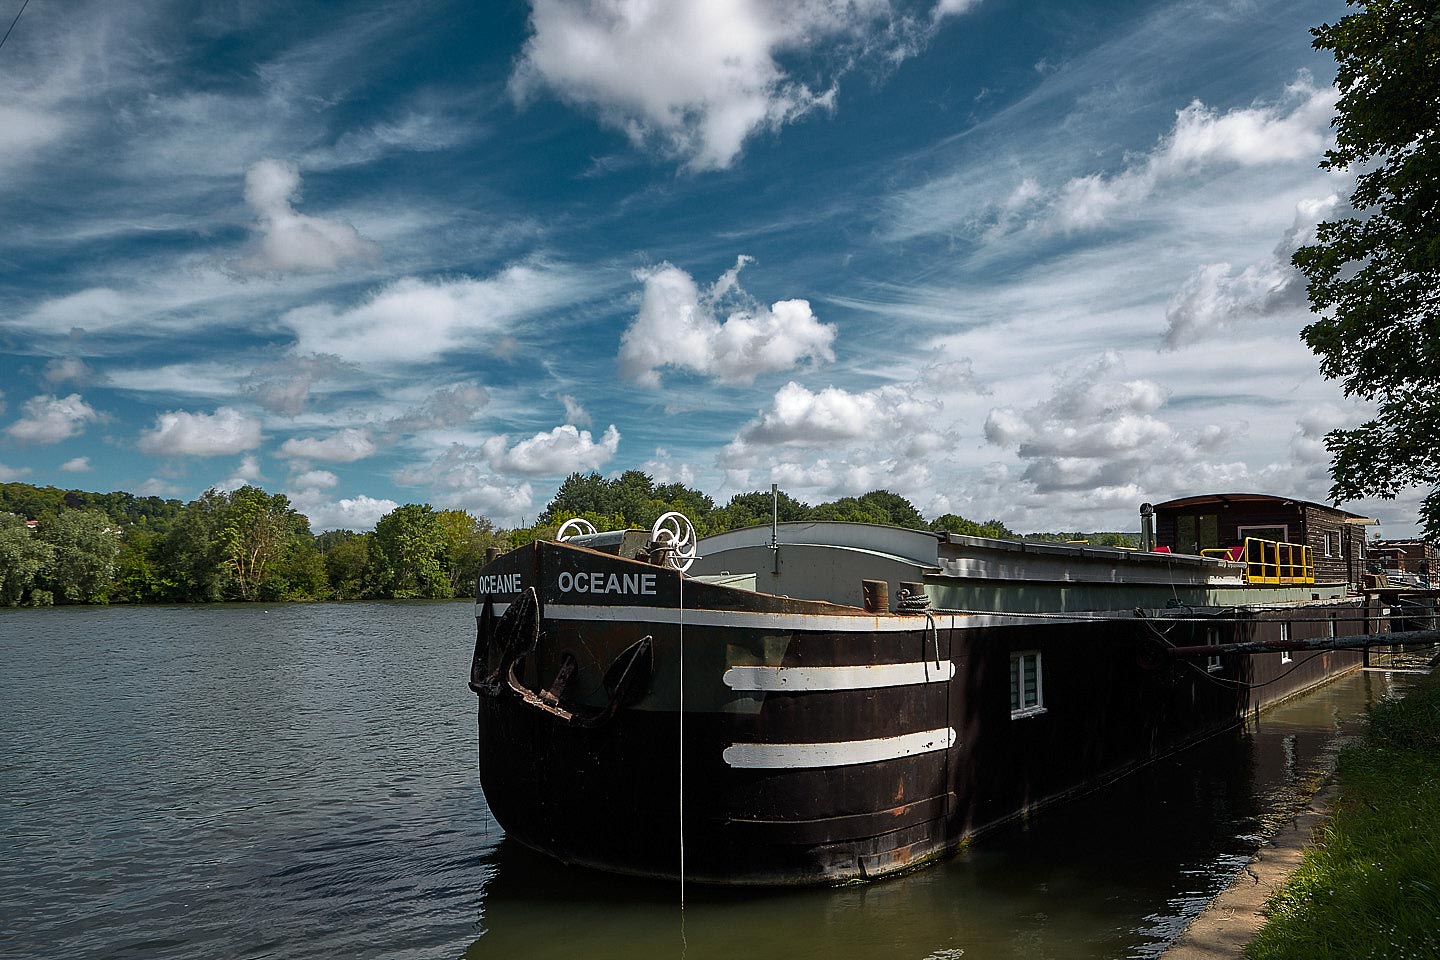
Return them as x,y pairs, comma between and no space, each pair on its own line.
77,547
1369,886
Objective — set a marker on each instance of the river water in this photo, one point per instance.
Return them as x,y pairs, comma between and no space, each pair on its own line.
299,781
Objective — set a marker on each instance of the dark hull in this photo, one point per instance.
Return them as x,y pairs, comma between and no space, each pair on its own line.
876,743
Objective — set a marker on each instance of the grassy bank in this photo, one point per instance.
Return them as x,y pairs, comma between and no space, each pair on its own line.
1370,887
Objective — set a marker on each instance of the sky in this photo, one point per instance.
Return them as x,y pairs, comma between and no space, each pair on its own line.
1014,259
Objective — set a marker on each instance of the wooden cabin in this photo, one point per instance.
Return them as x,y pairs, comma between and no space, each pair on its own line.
1336,537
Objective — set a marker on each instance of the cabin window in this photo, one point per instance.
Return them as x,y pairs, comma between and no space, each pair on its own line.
1212,637
1333,632
1027,689
1285,638
1280,534
1329,543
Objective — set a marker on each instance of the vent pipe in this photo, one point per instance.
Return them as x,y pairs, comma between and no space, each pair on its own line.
1147,527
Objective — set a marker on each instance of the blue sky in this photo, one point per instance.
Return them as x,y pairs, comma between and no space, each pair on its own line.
1023,260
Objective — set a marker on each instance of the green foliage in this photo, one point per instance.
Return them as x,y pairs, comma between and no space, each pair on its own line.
407,559
1374,277
953,523
346,556
877,506
1100,539
23,557
85,544
261,539
1371,887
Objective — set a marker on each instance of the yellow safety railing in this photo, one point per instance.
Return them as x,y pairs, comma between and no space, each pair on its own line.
1270,561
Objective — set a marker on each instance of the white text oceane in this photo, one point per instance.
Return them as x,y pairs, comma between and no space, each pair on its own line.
638,583
499,583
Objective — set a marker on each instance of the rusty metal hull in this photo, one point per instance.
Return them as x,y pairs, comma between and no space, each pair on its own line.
629,717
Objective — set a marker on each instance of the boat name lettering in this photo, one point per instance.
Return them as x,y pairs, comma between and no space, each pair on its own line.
500,583
596,582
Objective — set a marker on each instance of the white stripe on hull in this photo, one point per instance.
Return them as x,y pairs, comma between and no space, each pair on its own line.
762,619
795,756
863,677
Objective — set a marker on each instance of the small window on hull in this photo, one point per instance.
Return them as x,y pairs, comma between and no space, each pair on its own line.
1027,688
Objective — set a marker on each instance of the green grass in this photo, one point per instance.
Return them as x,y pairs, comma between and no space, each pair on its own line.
1370,887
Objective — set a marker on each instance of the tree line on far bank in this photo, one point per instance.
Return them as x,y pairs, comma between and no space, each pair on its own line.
248,545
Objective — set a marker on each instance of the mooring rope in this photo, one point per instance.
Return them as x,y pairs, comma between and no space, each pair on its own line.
681,578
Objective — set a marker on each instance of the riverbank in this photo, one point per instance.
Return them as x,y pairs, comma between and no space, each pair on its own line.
1356,873
1370,886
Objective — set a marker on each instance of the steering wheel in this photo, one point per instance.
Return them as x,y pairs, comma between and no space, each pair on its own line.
674,530
575,527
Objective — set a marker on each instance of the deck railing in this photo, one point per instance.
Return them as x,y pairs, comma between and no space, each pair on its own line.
1270,561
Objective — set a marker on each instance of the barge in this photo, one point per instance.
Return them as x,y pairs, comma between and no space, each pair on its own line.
811,703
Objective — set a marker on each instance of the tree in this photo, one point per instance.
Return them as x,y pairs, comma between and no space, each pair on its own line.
23,556
347,562
257,533
407,558
954,523
192,558
1373,278
86,544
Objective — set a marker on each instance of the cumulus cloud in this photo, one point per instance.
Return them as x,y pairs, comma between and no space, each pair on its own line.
565,449
699,77
314,480
838,442
462,478
50,419
343,446
11,474
416,321
1216,297
77,465
678,326
663,469
1097,432
358,513
290,241
180,433
247,473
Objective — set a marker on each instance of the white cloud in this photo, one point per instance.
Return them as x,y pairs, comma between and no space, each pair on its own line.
1215,297
678,326
562,450
575,412
50,419
11,474
314,480
453,406
70,370
77,465
180,433
663,469
461,478
358,513
1290,131
416,321
700,77
1096,433
289,240
285,387
343,446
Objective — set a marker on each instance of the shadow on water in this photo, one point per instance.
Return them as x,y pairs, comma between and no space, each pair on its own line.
1116,873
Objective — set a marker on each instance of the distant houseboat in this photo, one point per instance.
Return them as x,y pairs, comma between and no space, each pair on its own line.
822,702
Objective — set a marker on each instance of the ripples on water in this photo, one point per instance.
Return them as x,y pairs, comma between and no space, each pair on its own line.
297,781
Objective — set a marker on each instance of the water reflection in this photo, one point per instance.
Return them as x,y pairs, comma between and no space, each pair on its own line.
1116,873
